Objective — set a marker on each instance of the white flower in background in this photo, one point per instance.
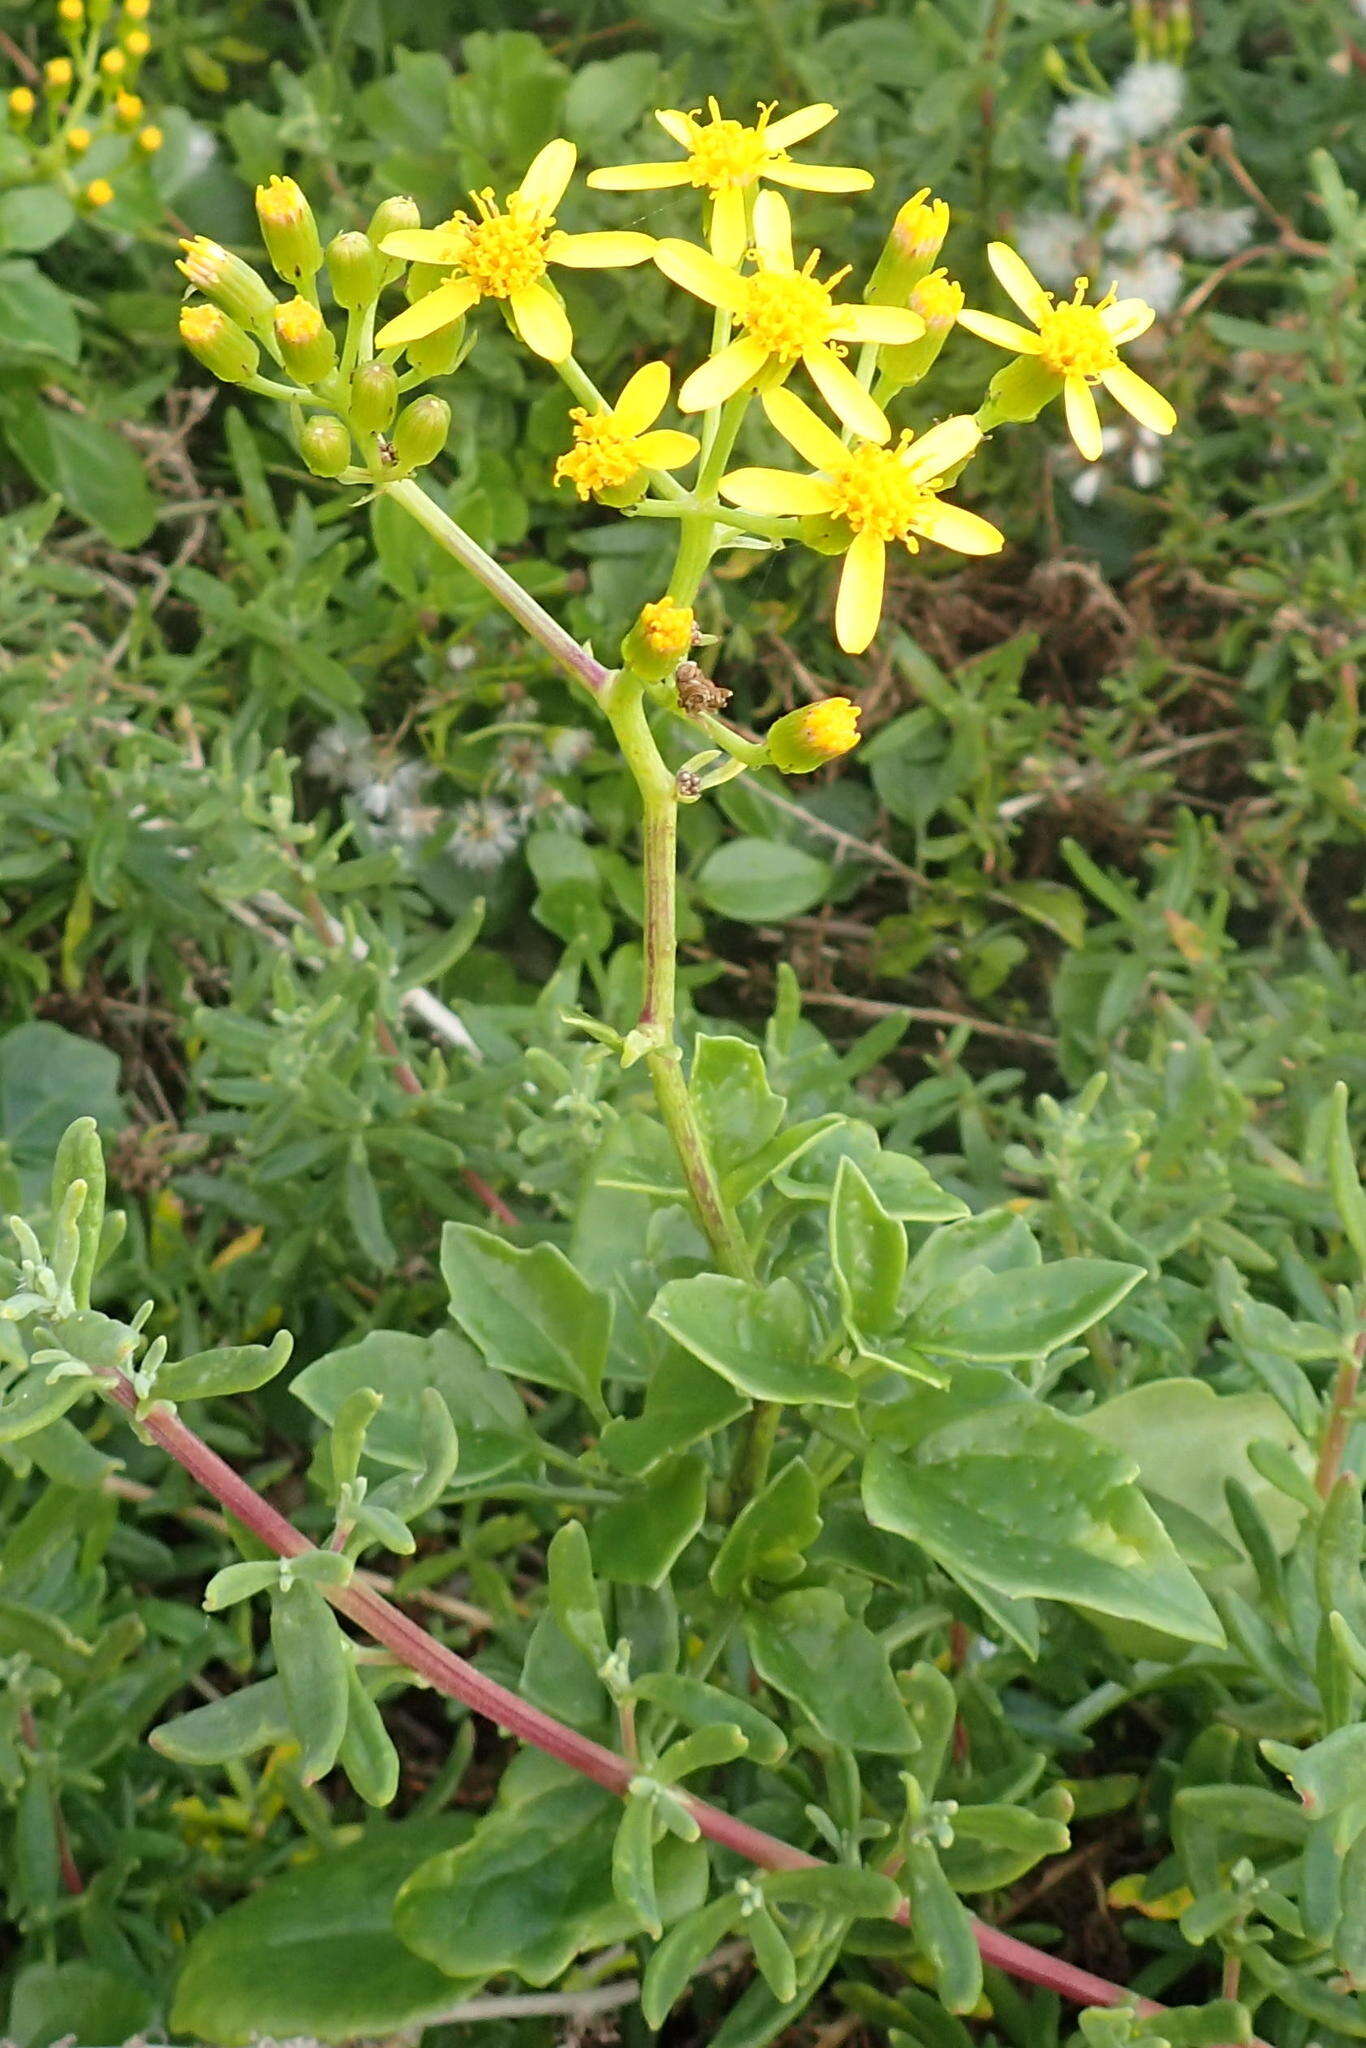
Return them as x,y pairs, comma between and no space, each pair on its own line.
1087,126
1145,463
388,793
549,806
485,832
1215,231
522,765
568,747
1051,245
1148,99
459,655
1140,215
341,755
1145,459
1154,277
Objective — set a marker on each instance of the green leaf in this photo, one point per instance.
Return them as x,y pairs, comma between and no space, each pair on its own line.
529,1312
758,1338
314,1663
705,1706
367,1755
76,2000
867,1251
1023,1314
942,1928
1015,1497
762,881
808,1647
683,1950
232,1369
1052,904
33,217
1349,1199
1330,1777
40,319
738,1110
905,1188
995,1845
314,1952
95,471
573,1594
684,1402
240,1724
770,1534
365,1211
633,1864
47,1078
638,1542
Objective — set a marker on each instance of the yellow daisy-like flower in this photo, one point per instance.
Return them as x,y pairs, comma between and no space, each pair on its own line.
877,494
613,448
1080,344
727,160
504,253
667,628
786,316
817,733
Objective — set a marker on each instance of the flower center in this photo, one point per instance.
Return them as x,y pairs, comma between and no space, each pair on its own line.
786,312
602,458
504,253
937,299
1073,339
727,155
873,493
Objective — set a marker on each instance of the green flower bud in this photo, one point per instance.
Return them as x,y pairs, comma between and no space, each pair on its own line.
420,433
219,343
306,346
374,398
232,284
1018,392
391,215
436,355
288,230
421,279
803,740
325,445
917,237
938,299
661,636
356,270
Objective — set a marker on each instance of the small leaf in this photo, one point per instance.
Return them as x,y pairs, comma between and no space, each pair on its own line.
232,1369
1023,1314
367,1755
238,1725
762,881
1343,1178
737,1108
760,1339
633,1864
867,1251
529,1312
770,1534
314,1662
573,1593
807,1646
638,1542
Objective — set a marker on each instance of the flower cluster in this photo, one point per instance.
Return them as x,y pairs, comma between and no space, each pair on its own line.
80,121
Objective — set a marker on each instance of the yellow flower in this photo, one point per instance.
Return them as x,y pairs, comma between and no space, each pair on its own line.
149,140
503,253
21,103
1079,344
613,448
874,494
727,160
128,109
817,733
78,141
113,63
786,316
137,43
57,74
98,192
667,627
938,299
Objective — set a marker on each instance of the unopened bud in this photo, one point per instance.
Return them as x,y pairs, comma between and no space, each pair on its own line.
148,140
938,299
136,44
391,215
807,739
420,434
374,398
99,192
325,445
219,343
306,346
356,270
917,237
436,355
232,284
70,13
137,10
128,110
288,230
57,75
77,141
659,639
113,64
21,104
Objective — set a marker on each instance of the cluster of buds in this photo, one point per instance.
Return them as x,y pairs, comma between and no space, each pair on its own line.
82,120
349,421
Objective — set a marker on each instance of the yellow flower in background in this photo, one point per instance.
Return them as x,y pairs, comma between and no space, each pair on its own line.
786,316
504,253
876,494
727,160
1078,343
613,448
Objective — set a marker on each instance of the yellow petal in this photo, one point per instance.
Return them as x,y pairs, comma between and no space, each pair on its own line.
1083,421
805,430
773,232
666,448
441,308
638,177
820,177
943,446
1014,276
885,324
542,323
643,398
795,127
699,273
858,607
775,492
716,380
1022,341
679,127
1138,397
548,174
611,251
728,232
952,527
844,395
1127,319
425,245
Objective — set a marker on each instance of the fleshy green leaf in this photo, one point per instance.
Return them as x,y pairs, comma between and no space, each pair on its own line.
529,1312
1023,1314
808,1647
759,1338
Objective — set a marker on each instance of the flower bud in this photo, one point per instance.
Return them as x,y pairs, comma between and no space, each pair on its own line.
148,140
807,739
420,433
917,237
113,64
128,110
306,346
436,355
659,639
232,284
288,230
391,215
219,343
21,104
374,398
136,44
71,13
356,270
325,445
97,193
938,299
78,141
57,76
137,10
1018,392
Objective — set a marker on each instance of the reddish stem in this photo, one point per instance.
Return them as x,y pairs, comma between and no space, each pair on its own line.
1339,1425
459,1680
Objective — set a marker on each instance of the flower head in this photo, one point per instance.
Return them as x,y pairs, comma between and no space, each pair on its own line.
872,494
728,160
1215,231
786,316
1050,243
503,252
666,628
1087,127
1077,344
485,832
613,448
817,733
1148,98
